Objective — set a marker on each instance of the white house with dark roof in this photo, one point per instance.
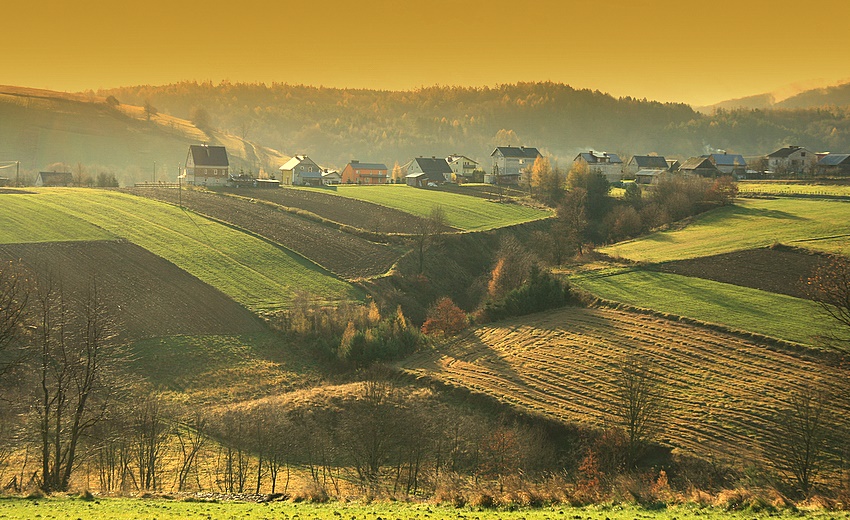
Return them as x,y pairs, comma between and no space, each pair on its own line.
729,163
54,179
462,166
791,159
508,162
207,165
608,164
645,162
301,171
423,171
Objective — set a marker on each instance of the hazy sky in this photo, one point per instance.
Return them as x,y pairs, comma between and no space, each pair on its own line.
671,50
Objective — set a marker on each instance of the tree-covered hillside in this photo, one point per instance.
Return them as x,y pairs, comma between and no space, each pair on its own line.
336,125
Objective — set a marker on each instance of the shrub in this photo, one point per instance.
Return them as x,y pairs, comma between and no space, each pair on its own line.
444,318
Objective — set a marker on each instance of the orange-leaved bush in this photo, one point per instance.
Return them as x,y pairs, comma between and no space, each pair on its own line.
445,318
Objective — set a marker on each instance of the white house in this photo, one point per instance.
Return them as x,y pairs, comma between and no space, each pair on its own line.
301,171
791,159
608,164
509,162
207,165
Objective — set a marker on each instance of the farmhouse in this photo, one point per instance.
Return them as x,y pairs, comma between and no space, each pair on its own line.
462,167
729,164
423,171
791,159
207,165
54,179
331,177
609,165
357,172
701,166
645,162
834,164
509,162
649,175
301,171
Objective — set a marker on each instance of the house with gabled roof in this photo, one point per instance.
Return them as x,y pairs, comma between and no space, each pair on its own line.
357,172
791,159
423,171
54,179
729,163
834,164
645,162
701,166
301,171
207,165
462,167
608,164
508,163
331,177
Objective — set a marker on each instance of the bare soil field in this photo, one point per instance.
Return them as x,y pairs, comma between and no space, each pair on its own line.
343,210
343,254
778,270
723,391
149,296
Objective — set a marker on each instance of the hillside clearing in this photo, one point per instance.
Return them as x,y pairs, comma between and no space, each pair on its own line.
819,225
464,212
257,274
723,390
742,308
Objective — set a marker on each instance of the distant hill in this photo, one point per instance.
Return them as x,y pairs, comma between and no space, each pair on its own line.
40,128
838,95
758,101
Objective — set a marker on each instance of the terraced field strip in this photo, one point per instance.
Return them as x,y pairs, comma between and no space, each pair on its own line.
748,224
25,222
788,188
253,272
464,212
722,390
743,308
342,253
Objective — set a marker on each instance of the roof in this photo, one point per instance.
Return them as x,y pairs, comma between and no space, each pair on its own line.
455,157
600,157
204,155
650,161
521,152
785,152
651,171
434,168
367,166
56,177
295,161
728,159
835,159
695,163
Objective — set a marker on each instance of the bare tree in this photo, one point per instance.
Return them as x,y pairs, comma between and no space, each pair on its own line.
829,286
638,405
192,436
428,232
14,297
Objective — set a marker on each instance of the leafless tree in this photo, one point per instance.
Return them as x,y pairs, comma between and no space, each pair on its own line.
638,405
428,232
191,436
14,296
829,286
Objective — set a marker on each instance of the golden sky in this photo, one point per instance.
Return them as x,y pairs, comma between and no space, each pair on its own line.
694,51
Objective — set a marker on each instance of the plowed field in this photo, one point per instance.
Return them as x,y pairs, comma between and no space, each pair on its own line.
148,296
342,253
722,390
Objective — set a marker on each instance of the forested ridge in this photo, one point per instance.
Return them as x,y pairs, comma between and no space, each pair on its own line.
336,125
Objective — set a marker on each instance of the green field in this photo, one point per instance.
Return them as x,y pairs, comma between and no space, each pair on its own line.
742,308
463,212
791,189
257,274
24,221
162,509
822,225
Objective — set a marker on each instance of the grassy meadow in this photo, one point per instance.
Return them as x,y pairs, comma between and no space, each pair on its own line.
254,272
791,189
743,308
163,509
463,212
24,221
821,225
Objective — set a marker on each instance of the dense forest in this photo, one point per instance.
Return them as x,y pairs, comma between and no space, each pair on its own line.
337,125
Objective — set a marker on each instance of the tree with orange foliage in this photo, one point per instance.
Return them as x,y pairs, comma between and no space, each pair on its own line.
444,318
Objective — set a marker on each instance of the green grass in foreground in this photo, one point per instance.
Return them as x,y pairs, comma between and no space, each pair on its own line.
127,508
822,225
25,222
786,188
464,212
742,308
253,272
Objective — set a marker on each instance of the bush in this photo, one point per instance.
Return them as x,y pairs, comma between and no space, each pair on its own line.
444,318
542,291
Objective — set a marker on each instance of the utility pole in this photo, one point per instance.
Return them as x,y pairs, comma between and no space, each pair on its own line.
154,172
17,174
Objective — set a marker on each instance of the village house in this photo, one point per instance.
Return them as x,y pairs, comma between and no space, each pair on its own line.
834,164
54,179
331,177
645,162
424,171
207,165
791,159
301,171
357,172
609,165
701,166
509,162
729,164
649,175
462,167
